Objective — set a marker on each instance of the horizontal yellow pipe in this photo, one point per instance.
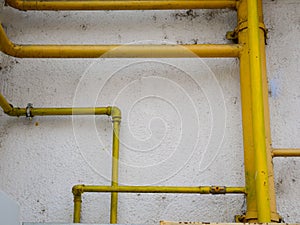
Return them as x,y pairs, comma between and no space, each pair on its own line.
116,51
121,5
112,111
160,189
69,111
286,152
59,111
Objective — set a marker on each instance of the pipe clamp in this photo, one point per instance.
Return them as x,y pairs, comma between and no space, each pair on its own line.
28,110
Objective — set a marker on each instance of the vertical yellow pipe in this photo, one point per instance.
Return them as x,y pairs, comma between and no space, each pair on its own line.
116,116
258,122
77,208
245,85
77,192
245,88
274,215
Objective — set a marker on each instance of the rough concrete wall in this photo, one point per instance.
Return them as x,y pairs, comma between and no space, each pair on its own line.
181,118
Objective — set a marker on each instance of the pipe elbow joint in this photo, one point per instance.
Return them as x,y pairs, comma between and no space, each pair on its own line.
9,112
13,112
116,114
15,4
77,190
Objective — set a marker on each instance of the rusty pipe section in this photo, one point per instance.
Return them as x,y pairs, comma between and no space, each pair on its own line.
121,4
116,51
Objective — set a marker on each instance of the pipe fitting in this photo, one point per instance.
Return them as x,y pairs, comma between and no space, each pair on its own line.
28,111
77,199
217,190
16,112
233,35
9,111
15,4
78,190
115,114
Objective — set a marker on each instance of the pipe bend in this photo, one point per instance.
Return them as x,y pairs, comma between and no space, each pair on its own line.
16,112
6,46
8,111
77,190
115,113
11,112
17,4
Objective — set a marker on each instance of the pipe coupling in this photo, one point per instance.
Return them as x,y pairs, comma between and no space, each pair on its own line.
217,190
116,114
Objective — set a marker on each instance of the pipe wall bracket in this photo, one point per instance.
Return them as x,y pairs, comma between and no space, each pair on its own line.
233,35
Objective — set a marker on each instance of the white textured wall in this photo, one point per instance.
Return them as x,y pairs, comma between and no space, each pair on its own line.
181,118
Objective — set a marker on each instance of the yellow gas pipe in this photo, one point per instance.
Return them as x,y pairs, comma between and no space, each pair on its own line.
78,190
247,88
160,189
115,167
286,152
116,51
7,108
251,213
255,94
275,217
112,111
258,123
121,5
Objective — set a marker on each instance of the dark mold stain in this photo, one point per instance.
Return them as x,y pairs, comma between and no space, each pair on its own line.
7,65
189,15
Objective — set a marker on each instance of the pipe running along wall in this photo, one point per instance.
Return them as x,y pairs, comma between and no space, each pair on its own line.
112,111
258,114
286,152
261,202
90,51
116,51
247,86
121,5
78,190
